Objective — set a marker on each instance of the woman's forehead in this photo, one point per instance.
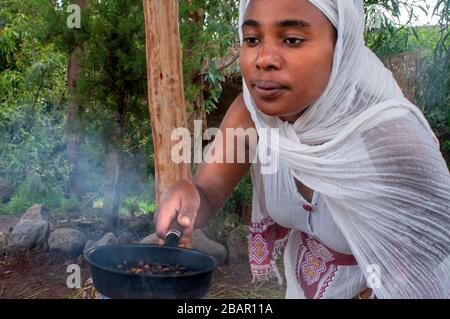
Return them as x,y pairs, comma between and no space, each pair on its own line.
278,12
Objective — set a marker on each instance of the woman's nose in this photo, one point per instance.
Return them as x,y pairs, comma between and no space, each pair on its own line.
268,58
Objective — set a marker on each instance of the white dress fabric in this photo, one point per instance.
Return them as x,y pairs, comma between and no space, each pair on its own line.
287,210
370,155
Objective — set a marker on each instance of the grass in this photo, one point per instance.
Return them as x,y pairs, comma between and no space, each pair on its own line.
258,290
235,282
3,208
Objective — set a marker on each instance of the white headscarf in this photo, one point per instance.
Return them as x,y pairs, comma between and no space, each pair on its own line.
370,153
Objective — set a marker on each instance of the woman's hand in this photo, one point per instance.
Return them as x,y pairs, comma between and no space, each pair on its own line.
180,202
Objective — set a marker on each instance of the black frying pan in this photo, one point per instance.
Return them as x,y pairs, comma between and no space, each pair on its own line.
113,283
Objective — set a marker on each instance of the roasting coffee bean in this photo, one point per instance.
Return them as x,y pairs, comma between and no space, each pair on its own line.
144,268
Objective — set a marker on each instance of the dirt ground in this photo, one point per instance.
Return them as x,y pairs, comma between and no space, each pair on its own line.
41,276
36,275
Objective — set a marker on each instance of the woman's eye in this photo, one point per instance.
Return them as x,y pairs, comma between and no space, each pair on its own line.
293,41
251,40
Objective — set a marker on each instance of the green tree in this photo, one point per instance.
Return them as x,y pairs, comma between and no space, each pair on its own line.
32,94
112,86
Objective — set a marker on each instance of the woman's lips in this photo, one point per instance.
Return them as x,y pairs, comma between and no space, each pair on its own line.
268,89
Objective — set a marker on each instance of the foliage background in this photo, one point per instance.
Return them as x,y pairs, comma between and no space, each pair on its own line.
34,46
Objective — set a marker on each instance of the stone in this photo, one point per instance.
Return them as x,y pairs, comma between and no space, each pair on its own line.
36,212
107,239
28,234
206,245
125,238
68,241
32,230
150,239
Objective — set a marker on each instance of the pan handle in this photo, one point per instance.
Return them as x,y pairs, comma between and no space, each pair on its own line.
174,234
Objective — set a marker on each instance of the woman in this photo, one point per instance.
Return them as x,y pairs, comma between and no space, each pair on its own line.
361,191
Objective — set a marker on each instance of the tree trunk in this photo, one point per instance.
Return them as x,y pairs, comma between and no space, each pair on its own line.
74,127
165,88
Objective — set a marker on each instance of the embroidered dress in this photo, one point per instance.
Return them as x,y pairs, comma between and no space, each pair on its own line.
312,269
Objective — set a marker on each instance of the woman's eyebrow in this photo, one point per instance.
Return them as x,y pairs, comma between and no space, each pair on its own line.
251,23
293,23
280,24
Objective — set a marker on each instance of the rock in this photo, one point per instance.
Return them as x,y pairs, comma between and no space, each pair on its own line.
150,239
36,212
237,244
125,238
28,234
107,239
31,232
68,241
6,190
206,245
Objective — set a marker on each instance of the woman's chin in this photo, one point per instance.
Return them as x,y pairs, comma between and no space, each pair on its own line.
291,118
271,108
277,107
270,112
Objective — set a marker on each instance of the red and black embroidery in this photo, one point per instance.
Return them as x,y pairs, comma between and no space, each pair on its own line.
317,266
265,242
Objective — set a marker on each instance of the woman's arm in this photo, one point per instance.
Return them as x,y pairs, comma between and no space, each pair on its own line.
197,200
218,180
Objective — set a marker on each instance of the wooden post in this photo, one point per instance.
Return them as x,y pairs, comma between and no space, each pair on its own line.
165,88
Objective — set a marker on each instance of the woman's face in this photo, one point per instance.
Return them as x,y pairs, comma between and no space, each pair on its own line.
287,55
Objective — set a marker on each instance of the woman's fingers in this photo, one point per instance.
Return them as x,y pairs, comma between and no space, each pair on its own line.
187,215
167,212
181,202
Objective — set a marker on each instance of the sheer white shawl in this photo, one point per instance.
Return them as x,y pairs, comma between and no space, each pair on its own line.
371,155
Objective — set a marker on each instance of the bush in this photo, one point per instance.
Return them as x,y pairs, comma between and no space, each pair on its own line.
32,191
242,195
148,207
32,144
135,206
432,81
3,208
70,205
131,206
